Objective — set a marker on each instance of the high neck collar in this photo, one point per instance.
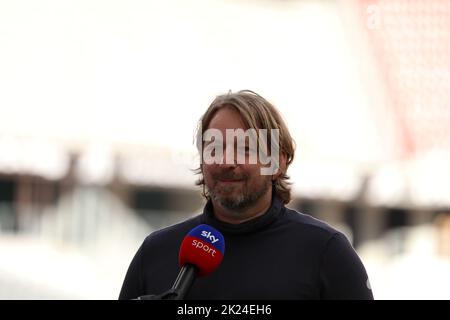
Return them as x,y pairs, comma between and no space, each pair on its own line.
252,225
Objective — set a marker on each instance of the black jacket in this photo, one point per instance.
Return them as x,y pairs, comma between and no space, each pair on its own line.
282,254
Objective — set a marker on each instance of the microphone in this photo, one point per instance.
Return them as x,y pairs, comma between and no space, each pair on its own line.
201,253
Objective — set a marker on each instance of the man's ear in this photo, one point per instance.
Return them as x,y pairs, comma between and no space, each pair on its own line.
282,166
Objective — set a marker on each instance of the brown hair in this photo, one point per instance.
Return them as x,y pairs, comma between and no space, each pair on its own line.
257,113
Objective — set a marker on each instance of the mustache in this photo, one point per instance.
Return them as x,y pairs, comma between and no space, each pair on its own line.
229,176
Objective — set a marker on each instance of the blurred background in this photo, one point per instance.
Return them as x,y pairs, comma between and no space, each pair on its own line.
99,101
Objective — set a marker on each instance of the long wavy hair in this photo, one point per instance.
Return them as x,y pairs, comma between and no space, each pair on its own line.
257,113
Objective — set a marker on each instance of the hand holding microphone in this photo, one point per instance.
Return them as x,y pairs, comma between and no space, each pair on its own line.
201,252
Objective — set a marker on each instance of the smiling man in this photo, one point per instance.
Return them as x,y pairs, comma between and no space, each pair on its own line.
238,189
273,252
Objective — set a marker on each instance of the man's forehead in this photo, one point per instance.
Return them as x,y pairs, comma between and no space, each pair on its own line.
227,118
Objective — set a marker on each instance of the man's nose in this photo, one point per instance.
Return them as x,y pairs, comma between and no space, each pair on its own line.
229,156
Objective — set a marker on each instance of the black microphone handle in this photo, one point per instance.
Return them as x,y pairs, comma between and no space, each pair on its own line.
184,281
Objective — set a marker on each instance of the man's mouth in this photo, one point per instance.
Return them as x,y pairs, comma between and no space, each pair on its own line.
230,179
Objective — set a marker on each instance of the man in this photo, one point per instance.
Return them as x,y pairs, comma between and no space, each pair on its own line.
272,252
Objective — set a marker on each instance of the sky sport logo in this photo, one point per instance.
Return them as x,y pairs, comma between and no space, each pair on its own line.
202,246
251,145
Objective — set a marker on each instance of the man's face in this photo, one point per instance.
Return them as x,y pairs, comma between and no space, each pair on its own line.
231,184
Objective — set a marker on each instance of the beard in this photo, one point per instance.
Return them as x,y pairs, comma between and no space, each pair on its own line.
238,197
